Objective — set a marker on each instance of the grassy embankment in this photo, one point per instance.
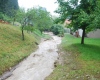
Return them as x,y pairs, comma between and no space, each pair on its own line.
79,62
41,35
12,48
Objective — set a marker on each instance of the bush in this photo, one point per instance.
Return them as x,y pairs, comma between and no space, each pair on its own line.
4,17
1,15
57,30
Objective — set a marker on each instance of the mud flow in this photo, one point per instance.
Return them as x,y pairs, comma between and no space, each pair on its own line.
39,64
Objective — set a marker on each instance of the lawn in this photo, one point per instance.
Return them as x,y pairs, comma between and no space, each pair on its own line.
79,62
89,51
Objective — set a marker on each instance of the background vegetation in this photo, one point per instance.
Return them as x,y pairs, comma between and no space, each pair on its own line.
8,9
57,29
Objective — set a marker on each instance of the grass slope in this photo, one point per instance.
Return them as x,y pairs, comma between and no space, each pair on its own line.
79,62
12,48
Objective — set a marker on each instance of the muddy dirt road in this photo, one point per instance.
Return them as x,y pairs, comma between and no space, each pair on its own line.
39,64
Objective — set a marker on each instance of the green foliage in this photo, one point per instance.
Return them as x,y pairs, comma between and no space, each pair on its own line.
29,28
20,15
1,15
57,29
40,18
7,7
5,17
57,20
83,18
96,19
41,35
81,14
37,32
2,5
34,18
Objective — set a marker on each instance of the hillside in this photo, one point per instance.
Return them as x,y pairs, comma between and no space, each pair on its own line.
12,48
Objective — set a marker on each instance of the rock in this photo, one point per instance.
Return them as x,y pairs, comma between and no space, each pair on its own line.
55,64
36,43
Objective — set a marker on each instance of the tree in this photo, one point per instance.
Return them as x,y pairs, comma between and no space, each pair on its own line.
20,15
21,18
8,9
40,18
6,6
2,5
34,18
88,6
96,20
81,12
11,7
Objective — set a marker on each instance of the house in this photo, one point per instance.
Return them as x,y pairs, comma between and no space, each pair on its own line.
80,32
67,22
91,34
94,34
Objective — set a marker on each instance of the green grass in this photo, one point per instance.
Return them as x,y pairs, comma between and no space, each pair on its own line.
12,48
80,62
46,36
37,32
89,51
42,35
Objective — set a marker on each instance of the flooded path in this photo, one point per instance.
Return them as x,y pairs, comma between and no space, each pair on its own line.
39,64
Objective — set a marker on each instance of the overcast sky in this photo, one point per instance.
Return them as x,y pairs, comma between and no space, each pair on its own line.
50,5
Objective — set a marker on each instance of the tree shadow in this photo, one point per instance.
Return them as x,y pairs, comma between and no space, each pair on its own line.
88,51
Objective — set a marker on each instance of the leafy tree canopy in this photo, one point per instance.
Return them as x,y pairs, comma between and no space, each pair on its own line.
82,13
40,18
8,7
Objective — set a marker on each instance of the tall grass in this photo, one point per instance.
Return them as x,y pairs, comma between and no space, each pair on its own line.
12,48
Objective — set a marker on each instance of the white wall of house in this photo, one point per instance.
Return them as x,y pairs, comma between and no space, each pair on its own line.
80,32
67,30
94,34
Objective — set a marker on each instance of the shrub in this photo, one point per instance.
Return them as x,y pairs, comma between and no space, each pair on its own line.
57,30
4,17
1,15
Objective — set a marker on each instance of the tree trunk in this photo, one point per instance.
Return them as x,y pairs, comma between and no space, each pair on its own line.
22,33
83,35
13,21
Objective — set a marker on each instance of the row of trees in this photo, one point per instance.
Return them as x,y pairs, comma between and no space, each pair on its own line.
34,18
83,13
